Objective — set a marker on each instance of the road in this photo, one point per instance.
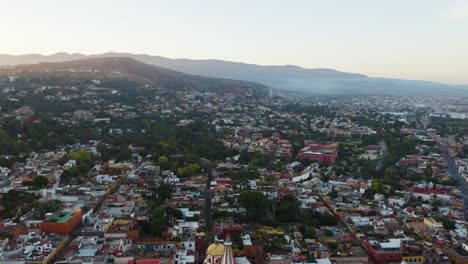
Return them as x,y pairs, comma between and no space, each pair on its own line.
463,185
383,146
344,223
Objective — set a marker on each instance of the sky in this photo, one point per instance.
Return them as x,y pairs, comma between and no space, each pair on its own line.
410,39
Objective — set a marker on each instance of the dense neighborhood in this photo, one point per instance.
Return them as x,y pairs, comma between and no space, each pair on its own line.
112,171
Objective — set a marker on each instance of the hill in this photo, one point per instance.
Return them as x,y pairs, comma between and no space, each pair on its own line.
128,69
288,77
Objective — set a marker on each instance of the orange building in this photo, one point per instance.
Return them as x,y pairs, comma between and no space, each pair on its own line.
63,223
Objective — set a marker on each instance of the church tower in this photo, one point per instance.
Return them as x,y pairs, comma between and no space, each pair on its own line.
214,253
217,253
228,257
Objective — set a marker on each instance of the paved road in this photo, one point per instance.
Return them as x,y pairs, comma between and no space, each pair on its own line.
383,146
463,185
348,227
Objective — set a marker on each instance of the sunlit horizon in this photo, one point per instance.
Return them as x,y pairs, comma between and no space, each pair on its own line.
417,40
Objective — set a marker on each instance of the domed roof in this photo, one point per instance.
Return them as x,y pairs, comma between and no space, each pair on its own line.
216,249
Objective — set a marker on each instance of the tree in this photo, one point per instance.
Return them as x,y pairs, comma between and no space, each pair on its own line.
40,182
287,209
244,157
173,212
333,194
4,140
190,170
81,156
368,194
124,154
14,198
164,163
251,172
310,233
158,221
164,192
39,205
435,205
428,172
370,140
377,186
446,222
69,174
107,153
257,205
327,219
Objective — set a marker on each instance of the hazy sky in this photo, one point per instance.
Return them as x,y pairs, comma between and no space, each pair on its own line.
413,39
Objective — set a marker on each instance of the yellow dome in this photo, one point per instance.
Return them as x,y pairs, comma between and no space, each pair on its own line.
216,249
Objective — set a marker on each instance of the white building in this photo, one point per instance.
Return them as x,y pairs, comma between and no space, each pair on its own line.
102,178
360,221
70,164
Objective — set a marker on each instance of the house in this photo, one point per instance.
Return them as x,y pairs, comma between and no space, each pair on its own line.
70,164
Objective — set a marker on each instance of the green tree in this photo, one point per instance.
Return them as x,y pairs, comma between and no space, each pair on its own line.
158,221
377,186
164,192
39,205
164,163
310,233
287,209
446,222
251,172
327,219
81,156
72,174
435,205
428,172
123,154
187,171
40,182
4,141
257,205
333,194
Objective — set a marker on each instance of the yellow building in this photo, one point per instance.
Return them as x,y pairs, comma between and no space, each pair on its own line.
414,259
270,231
432,223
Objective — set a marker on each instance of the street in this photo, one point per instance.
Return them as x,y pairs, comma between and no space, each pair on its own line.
383,146
463,186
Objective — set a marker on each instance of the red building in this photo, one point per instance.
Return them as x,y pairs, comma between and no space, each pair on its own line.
410,160
373,147
256,253
384,252
233,231
325,154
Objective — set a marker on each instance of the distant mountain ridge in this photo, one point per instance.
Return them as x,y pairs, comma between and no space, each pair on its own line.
132,71
288,77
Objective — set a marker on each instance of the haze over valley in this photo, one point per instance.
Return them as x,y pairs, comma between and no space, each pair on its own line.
285,78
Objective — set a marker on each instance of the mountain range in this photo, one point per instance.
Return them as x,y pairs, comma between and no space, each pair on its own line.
128,71
285,78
